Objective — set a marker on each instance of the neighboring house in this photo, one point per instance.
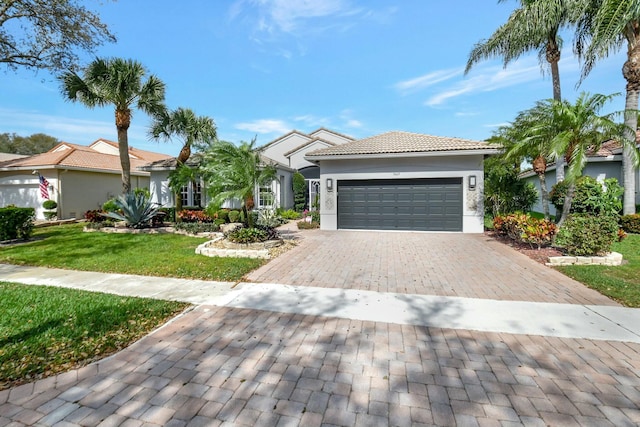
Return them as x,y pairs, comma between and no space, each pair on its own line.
403,181
80,177
286,153
603,164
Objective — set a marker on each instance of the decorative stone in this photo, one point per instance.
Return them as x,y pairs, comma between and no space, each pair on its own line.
223,248
226,228
613,258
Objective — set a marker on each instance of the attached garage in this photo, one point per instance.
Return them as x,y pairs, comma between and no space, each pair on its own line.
428,204
403,181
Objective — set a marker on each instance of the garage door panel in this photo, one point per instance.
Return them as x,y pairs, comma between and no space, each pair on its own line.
433,204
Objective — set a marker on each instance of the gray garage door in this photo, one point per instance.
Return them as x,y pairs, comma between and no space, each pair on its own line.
433,204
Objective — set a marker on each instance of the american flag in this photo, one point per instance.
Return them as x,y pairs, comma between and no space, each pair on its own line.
44,187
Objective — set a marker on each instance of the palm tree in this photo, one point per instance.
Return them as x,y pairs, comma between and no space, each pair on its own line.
522,142
198,131
532,26
235,172
573,130
604,29
117,82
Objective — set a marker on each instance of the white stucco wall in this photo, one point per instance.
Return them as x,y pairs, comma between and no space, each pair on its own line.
159,188
330,136
22,189
276,150
297,160
406,168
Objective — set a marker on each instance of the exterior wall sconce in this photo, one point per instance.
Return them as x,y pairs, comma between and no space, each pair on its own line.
329,184
472,182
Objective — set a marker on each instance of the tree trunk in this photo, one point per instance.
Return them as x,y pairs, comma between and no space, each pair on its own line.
123,121
568,199
631,73
544,193
178,206
553,56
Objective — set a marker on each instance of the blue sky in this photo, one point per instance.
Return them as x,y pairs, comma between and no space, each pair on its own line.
264,67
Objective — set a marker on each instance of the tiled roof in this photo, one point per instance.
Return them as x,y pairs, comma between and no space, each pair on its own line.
10,156
402,142
320,129
283,137
74,156
148,156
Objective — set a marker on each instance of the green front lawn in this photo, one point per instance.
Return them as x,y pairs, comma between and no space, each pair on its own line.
621,283
47,330
168,255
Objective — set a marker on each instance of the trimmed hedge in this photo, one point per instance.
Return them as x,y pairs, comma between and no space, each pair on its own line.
16,223
630,223
586,235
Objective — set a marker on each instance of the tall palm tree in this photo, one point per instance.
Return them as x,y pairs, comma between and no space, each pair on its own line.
606,26
534,26
235,172
198,131
521,141
117,82
573,130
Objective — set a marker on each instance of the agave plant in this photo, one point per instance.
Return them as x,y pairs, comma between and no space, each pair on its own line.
136,210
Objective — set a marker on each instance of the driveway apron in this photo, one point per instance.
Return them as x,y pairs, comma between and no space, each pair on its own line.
443,264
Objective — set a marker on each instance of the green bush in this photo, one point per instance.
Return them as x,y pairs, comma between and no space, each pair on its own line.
170,213
222,214
247,235
299,191
591,197
289,214
49,215
504,192
49,204
110,205
630,223
586,235
16,223
526,229
234,216
197,227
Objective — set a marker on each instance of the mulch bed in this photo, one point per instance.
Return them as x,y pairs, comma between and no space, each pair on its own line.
540,255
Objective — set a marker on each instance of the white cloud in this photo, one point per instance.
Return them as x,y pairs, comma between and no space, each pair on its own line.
490,79
467,113
310,120
264,126
495,125
427,80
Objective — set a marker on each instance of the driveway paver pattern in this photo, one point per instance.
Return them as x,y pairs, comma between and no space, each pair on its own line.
229,366
444,264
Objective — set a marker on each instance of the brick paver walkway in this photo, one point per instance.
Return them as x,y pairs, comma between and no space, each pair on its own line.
446,264
221,366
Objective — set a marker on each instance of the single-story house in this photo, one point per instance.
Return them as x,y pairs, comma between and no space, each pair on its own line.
80,178
286,153
403,181
602,164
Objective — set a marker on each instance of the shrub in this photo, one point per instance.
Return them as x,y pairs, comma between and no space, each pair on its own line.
289,214
16,223
170,213
136,210
504,192
234,216
194,216
49,204
304,225
110,205
197,227
630,223
268,218
94,216
526,229
299,191
591,197
585,235
49,215
247,235
222,214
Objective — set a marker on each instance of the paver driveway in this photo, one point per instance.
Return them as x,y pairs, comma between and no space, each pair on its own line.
446,264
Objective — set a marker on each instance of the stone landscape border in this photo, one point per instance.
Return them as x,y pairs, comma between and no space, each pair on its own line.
611,259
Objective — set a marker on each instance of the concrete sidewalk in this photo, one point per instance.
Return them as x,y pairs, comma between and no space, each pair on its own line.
514,317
